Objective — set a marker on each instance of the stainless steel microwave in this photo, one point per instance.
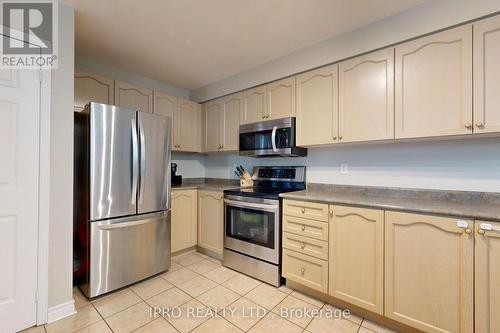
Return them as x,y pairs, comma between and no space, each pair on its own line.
270,138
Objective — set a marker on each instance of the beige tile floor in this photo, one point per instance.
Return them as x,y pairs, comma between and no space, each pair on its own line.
225,301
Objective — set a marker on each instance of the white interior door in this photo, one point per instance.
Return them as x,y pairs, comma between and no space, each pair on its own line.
19,176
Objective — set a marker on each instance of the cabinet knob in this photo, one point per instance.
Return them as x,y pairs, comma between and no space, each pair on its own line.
334,137
468,231
480,125
481,232
303,210
302,270
302,246
331,213
303,227
340,137
468,125
263,116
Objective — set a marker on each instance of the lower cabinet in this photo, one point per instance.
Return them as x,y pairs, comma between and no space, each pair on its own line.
306,270
433,273
184,219
429,269
210,220
357,257
487,277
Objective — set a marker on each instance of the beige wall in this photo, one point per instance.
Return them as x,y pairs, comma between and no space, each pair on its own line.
423,19
91,66
61,165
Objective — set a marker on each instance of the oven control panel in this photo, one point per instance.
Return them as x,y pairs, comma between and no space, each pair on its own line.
282,174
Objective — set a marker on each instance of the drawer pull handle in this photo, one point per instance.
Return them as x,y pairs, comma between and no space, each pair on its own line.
302,270
303,228
303,210
302,245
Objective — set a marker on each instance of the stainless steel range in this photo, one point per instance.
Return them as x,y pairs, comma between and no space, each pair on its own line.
252,227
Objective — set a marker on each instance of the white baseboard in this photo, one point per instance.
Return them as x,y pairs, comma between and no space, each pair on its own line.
61,311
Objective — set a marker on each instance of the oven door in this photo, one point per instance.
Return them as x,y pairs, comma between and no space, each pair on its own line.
252,227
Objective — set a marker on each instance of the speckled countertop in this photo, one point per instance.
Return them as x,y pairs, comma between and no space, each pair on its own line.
213,184
477,205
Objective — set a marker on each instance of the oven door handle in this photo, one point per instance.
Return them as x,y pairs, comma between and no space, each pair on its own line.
240,204
273,139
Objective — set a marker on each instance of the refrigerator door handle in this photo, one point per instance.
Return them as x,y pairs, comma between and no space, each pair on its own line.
128,224
143,160
135,162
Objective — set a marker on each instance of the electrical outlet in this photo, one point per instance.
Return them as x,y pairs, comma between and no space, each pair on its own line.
344,168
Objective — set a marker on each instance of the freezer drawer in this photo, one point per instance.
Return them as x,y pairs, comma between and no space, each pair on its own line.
126,250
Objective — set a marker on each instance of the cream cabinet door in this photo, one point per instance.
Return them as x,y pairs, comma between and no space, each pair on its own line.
166,105
184,219
92,88
357,256
434,85
213,112
189,126
254,105
487,75
132,97
210,220
429,269
487,272
280,96
366,97
317,107
231,122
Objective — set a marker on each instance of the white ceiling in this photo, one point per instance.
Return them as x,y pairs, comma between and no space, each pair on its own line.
191,43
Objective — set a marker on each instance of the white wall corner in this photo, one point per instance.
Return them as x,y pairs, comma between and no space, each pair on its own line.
61,311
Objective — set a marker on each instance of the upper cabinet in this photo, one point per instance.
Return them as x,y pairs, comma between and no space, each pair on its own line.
434,85
230,119
166,105
487,75
222,121
280,96
212,114
254,105
92,88
186,121
317,106
188,126
132,97
366,97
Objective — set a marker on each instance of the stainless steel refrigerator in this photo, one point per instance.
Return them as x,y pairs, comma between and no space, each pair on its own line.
121,197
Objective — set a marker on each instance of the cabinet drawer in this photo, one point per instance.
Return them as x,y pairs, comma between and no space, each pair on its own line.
306,245
308,210
308,271
304,227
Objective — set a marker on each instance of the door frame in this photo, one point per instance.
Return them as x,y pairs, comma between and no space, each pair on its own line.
42,308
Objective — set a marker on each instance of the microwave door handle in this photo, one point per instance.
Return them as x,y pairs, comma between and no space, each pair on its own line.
135,162
273,138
